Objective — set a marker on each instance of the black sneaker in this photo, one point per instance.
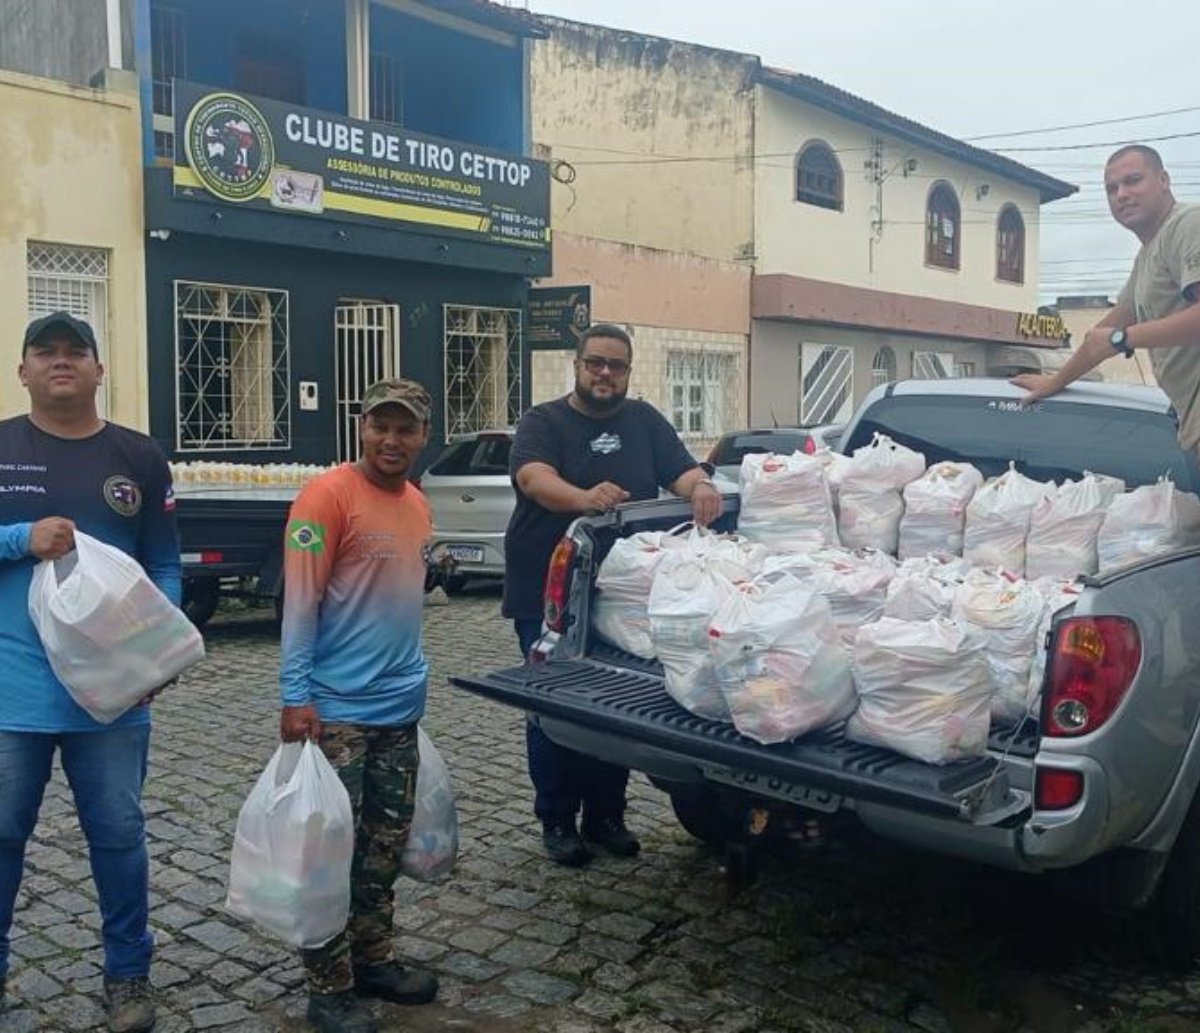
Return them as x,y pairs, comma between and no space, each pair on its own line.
393,982
610,834
563,846
340,1013
129,1005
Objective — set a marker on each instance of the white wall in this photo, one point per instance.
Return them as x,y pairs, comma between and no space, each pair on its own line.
804,240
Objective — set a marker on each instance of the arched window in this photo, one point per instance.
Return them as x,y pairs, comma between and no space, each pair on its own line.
818,176
1010,245
943,230
883,367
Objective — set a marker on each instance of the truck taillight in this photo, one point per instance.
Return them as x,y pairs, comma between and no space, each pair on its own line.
1056,789
558,584
1094,663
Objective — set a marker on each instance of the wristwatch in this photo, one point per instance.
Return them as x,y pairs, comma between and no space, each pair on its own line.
1119,339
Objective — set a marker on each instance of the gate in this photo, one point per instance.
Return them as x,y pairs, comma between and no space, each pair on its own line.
367,338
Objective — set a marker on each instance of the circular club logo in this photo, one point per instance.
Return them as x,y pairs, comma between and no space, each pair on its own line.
123,495
229,146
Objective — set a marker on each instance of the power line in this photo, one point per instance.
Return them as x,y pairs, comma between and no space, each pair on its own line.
1082,125
1092,146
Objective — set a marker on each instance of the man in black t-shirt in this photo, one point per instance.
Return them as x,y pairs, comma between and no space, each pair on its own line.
591,450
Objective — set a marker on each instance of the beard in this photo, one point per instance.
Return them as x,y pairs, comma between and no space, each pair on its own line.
605,404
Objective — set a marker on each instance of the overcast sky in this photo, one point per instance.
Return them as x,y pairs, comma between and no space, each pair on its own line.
975,69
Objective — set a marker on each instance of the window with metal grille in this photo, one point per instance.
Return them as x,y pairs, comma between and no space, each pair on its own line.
883,367
702,392
61,278
1010,245
168,61
933,365
482,348
387,88
965,369
231,368
942,224
819,176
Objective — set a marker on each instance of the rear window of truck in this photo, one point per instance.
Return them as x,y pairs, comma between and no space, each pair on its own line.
485,456
1048,441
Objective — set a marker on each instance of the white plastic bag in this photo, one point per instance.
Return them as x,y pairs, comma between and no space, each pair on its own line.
883,465
998,521
686,594
110,635
935,510
1064,527
855,586
292,850
923,588
1147,521
432,846
786,502
924,689
623,588
1008,612
778,660
869,501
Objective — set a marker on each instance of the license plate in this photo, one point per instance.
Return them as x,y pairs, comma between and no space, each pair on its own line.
466,553
769,785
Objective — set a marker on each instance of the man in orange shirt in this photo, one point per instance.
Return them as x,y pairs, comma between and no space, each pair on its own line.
353,678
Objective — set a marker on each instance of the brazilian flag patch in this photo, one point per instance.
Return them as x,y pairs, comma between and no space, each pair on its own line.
305,536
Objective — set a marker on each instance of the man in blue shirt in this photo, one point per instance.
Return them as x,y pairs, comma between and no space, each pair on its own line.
62,467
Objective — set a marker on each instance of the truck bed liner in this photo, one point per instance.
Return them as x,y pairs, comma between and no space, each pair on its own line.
620,699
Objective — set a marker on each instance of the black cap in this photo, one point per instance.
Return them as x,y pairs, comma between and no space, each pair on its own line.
65,322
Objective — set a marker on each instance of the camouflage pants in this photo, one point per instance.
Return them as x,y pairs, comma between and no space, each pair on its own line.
378,766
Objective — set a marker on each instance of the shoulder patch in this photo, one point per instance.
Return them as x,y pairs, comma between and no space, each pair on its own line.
123,495
305,536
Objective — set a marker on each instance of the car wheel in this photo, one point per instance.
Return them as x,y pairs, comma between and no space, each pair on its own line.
708,815
455,583
1174,915
201,596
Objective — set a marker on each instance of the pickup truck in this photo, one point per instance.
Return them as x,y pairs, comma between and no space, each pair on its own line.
1108,796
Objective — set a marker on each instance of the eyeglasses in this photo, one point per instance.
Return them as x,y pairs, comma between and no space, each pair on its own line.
596,363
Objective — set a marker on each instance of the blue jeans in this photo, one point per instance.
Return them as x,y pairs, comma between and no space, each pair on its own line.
564,779
106,770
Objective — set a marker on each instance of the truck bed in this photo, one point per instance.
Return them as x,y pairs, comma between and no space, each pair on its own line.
615,694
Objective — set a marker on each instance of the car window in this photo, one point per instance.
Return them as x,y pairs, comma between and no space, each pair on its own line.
733,447
474,457
1050,441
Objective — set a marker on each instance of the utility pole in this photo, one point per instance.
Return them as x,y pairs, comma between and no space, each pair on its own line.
875,174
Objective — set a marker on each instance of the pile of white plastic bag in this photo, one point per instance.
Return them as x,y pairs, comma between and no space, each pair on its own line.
806,617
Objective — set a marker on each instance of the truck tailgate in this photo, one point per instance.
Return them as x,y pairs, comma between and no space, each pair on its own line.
634,704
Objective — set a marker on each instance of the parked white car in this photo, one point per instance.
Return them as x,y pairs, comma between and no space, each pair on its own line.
472,498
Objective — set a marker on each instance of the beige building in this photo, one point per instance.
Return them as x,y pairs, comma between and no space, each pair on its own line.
71,232
884,250
1081,312
869,247
651,143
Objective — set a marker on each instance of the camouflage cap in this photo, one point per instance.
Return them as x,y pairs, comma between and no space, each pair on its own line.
398,391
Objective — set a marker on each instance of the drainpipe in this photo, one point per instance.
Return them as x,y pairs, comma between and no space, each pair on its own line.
358,58
116,55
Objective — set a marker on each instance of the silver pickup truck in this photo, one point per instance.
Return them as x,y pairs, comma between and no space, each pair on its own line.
1109,794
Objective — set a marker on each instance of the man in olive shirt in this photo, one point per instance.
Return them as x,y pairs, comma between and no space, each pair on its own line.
1157,310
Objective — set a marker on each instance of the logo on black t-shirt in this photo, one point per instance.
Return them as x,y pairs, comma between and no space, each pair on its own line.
606,444
123,495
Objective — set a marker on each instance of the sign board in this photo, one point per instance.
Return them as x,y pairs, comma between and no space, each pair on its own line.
1032,324
557,316
266,154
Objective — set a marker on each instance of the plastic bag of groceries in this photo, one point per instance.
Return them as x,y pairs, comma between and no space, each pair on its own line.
869,502
292,849
786,502
1058,596
998,520
853,583
687,592
924,689
623,588
778,660
110,635
923,587
836,467
935,510
432,846
1064,527
1147,521
1008,611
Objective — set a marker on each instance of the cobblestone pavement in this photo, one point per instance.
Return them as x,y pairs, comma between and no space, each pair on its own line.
865,937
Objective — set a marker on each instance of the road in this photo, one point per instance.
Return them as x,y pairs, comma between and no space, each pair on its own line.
863,937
